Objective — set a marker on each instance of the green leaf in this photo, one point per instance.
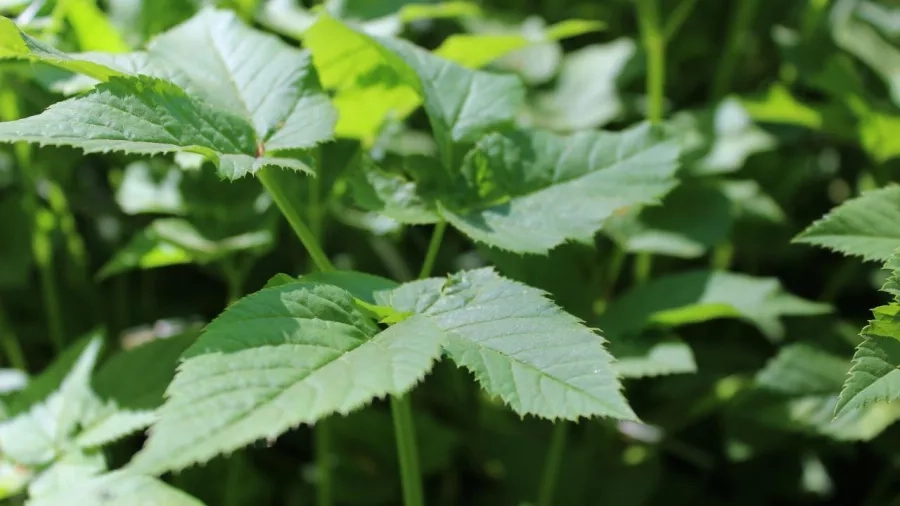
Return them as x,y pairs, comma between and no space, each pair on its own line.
91,26
377,76
41,386
238,97
173,241
520,346
39,435
477,50
800,369
363,286
645,357
531,191
153,362
280,357
16,45
863,226
700,295
863,41
875,375
693,218
118,488
393,194
586,93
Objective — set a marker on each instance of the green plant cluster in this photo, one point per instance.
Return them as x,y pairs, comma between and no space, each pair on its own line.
367,253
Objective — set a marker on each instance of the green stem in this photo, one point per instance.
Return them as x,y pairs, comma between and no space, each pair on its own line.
434,246
41,243
552,464
679,15
11,345
643,264
269,179
401,407
404,432
322,434
291,213
654,42
737,40
234,279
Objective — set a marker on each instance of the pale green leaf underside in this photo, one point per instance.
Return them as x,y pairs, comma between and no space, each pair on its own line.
237,96
865,226
173,241
378,76
37,436
800,369
520,346
700,295
286,355
532,191
875,375
118,488
643,358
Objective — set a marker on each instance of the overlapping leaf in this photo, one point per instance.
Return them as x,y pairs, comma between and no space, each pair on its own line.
864,226
519,345
530,191
238,97
379,76
696,296
286,355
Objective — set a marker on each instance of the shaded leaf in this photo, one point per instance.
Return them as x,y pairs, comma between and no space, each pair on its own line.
800,369
700,295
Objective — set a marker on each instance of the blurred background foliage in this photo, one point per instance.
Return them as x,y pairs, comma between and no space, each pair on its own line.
735,341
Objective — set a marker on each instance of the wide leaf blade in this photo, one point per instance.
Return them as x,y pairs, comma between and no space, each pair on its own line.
283,356
519,345
531,191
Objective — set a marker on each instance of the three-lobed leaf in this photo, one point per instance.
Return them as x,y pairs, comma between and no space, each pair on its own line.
238,97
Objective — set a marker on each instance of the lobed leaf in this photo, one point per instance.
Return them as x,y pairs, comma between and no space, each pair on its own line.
238,97
519,345
286,355
863,226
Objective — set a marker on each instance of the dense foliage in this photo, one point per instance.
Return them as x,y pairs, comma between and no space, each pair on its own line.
485,253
